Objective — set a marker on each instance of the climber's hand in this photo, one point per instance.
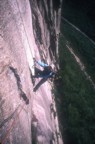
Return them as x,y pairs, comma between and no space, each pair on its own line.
34,59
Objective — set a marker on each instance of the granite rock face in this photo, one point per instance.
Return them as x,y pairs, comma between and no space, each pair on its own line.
46,23
27,29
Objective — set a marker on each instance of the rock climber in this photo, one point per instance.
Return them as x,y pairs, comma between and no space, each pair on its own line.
46,73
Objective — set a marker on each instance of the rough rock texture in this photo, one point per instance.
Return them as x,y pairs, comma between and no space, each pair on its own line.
27,29
46,22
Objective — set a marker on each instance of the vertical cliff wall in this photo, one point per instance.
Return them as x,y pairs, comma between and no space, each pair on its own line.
15,82
46,23
27,29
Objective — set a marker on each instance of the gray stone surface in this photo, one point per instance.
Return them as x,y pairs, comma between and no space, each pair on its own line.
27,29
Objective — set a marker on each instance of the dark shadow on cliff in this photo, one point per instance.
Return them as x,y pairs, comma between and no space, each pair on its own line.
39,84
22,94
33,78
48,20
56,4
35,22
9,118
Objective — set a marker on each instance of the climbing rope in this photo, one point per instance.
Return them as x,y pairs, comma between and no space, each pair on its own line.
10,127
24,27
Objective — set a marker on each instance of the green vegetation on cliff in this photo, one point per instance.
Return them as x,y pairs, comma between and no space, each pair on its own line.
75,98
82,46
75,95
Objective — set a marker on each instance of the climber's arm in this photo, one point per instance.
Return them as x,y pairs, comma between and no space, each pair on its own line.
42,64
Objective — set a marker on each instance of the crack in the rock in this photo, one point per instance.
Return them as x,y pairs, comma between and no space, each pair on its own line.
9,118
22,94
